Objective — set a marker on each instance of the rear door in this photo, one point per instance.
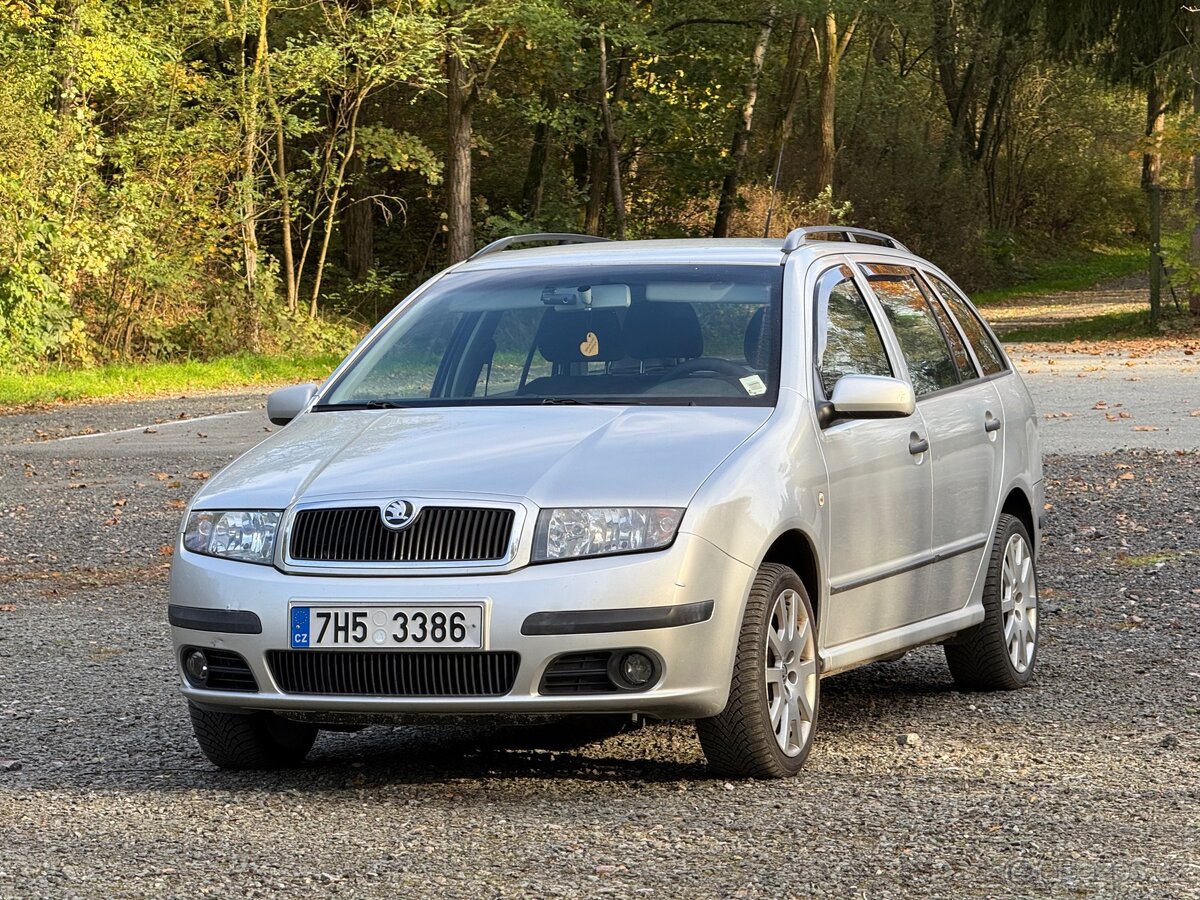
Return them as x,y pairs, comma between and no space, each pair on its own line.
963,414
879,502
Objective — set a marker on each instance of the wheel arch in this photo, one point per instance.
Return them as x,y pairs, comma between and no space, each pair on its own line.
1018,504
795,549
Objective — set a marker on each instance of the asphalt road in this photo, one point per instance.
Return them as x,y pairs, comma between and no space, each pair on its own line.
1085,784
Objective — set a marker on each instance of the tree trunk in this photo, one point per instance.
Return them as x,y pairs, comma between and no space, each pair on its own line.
251,83
335,198
741,135
535,174
285,197
1156,119
358,223
66,82
1194,292
793,85
610,140
833,48
597,187
460,102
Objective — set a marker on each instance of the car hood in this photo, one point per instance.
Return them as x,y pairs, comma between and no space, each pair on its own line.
550,455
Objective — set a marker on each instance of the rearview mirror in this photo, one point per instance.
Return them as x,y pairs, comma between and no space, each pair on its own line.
286,403
869,397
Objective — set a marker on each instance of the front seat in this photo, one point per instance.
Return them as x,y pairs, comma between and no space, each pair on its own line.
662,335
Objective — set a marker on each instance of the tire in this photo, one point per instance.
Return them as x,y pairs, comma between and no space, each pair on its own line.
259,740
744,741
990,656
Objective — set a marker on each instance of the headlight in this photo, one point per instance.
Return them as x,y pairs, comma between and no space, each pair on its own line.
236,534
571,533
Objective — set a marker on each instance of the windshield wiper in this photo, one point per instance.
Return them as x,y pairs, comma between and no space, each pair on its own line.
364,404
576,401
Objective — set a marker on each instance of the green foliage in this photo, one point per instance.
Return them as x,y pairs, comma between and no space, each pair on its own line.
158,162
247,370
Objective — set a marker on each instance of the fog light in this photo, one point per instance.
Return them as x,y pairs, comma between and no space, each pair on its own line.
637,668
196,666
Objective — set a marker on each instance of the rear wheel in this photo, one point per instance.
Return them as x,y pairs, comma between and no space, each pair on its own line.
999,652
260,740
766,728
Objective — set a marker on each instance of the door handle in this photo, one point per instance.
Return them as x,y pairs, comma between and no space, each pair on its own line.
917,445
990,423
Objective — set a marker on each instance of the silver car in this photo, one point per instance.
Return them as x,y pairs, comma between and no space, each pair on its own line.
672,479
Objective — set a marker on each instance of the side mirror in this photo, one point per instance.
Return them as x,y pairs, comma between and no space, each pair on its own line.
869,397
286,403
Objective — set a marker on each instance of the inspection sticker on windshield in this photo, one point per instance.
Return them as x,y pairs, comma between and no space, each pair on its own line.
754,385
393,627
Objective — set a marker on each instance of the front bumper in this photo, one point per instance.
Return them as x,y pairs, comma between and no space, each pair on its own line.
582,601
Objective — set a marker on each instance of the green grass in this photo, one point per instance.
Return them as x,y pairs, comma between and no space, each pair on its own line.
1109,326
151,379
1153,559
1074,272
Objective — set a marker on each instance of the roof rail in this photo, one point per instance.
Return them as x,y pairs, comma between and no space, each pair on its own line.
545,237
798,236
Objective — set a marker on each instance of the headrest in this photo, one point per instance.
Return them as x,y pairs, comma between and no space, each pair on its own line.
563,337
758,342
663,331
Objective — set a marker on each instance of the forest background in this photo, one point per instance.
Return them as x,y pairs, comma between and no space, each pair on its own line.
190,179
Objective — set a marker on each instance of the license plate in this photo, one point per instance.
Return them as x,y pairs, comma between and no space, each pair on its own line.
445,626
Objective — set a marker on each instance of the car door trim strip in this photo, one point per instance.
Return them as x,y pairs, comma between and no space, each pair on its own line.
925,559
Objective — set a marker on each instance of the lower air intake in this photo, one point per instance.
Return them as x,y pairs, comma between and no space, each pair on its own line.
394,674
579,673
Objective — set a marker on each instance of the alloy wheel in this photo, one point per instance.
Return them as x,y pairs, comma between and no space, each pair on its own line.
791,672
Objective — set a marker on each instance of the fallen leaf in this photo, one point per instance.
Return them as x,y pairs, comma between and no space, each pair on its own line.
1125,415
176,503
1100,404
8,607
1194,412
161,476
201,434
1126,476
166,550
200,476
1144,428
120,501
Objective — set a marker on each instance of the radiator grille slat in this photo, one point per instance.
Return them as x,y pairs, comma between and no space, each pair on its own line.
437,534
394,674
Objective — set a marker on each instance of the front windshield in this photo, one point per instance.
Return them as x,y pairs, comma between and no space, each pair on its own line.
677,334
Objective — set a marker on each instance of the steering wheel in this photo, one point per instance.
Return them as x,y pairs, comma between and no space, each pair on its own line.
706,364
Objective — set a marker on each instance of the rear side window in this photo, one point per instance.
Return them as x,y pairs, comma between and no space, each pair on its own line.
930,364
988,354
848,341
958,350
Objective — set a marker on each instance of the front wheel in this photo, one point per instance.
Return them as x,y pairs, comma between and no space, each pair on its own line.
998,654
260,740
766,728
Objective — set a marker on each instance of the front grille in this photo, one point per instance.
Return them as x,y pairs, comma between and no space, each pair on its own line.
579,673
437,534
227,671
381,673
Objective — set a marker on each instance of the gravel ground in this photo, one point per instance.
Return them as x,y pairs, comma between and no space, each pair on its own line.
1085,784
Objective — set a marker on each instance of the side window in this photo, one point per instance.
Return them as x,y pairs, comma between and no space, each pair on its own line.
930,363
513,337
962,359
848,341
988,354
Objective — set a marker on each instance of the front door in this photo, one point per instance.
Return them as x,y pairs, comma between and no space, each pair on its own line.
880,481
